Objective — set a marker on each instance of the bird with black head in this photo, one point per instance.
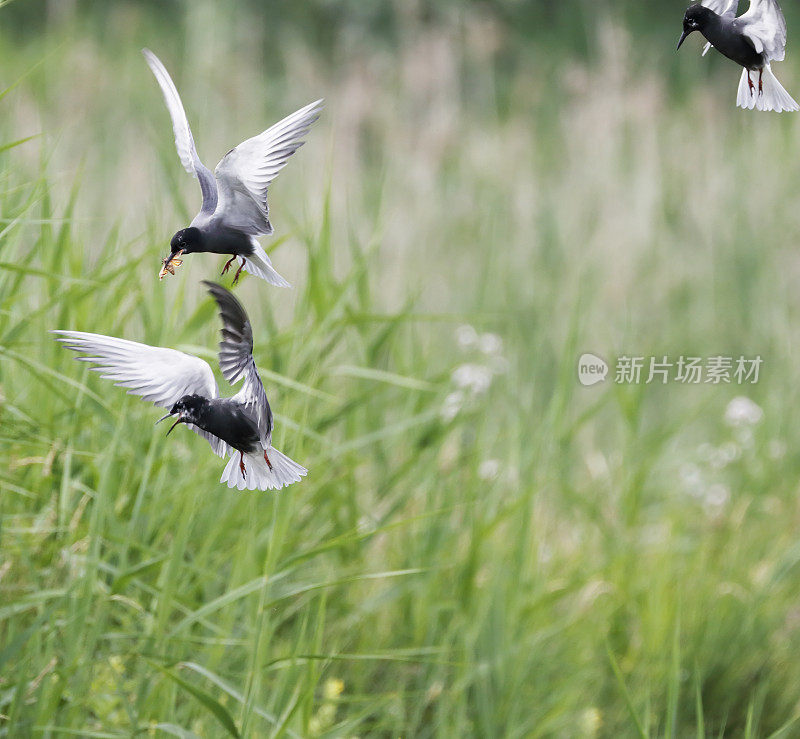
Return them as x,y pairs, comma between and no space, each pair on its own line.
235,209
753,40
239,427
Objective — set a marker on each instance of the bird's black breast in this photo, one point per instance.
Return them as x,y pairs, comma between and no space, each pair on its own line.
230,421
222,240
729,40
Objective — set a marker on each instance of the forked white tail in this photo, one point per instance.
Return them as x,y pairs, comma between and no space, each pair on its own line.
260,265
258,475
771,96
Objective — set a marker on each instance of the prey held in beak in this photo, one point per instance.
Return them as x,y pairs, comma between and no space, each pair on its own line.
169,264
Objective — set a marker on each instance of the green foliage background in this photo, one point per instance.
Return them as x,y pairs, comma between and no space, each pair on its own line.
524,558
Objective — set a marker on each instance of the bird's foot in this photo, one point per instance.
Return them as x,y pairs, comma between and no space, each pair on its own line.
760,82
241,464
750,84
239,271
228,265
266,459
169,264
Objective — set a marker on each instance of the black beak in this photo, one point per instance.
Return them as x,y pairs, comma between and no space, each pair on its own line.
163,418
682,39
180,420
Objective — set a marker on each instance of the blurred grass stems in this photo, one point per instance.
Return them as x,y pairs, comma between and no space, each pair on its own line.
580,587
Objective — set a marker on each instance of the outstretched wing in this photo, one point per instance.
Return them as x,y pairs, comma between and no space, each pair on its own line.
765,26
720,7
184,142
162,376
245,172
236,358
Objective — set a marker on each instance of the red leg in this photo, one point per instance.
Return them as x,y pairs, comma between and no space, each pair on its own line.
228,265
760,82
241,464
266,459
238,272
750,82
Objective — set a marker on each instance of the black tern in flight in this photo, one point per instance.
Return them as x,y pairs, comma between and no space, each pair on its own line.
239,427
234,210
752,40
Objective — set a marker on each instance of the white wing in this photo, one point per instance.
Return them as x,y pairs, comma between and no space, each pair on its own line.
184,142
245,172
236,358
720,7
765,26
162,376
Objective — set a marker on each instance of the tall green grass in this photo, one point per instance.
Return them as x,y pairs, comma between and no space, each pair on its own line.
528,559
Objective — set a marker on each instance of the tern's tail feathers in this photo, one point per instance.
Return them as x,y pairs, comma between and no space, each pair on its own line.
770,96
258,475
259,264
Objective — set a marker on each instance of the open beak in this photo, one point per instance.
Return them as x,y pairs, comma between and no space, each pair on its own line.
169,264
682,39
169,415
171,428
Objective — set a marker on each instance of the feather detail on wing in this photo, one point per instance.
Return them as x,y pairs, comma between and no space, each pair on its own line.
245,172
184,141
162,376
722,7
765,26
236,358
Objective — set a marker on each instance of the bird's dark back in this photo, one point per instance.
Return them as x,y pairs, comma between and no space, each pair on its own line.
222,240
728,39
230,421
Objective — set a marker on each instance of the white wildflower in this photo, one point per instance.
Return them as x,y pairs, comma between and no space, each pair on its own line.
591,721
452,406
717,496
489,469
742,411
722,456
473,377
490,344
730,452
692,478
466,336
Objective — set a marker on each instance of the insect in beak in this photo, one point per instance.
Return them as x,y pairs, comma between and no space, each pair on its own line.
168,264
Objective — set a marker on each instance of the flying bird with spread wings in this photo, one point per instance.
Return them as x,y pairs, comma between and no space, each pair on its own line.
239,427
234,210
753,40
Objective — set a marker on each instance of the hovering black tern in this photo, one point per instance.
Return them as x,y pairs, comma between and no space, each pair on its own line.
239,426
752,40
234,210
